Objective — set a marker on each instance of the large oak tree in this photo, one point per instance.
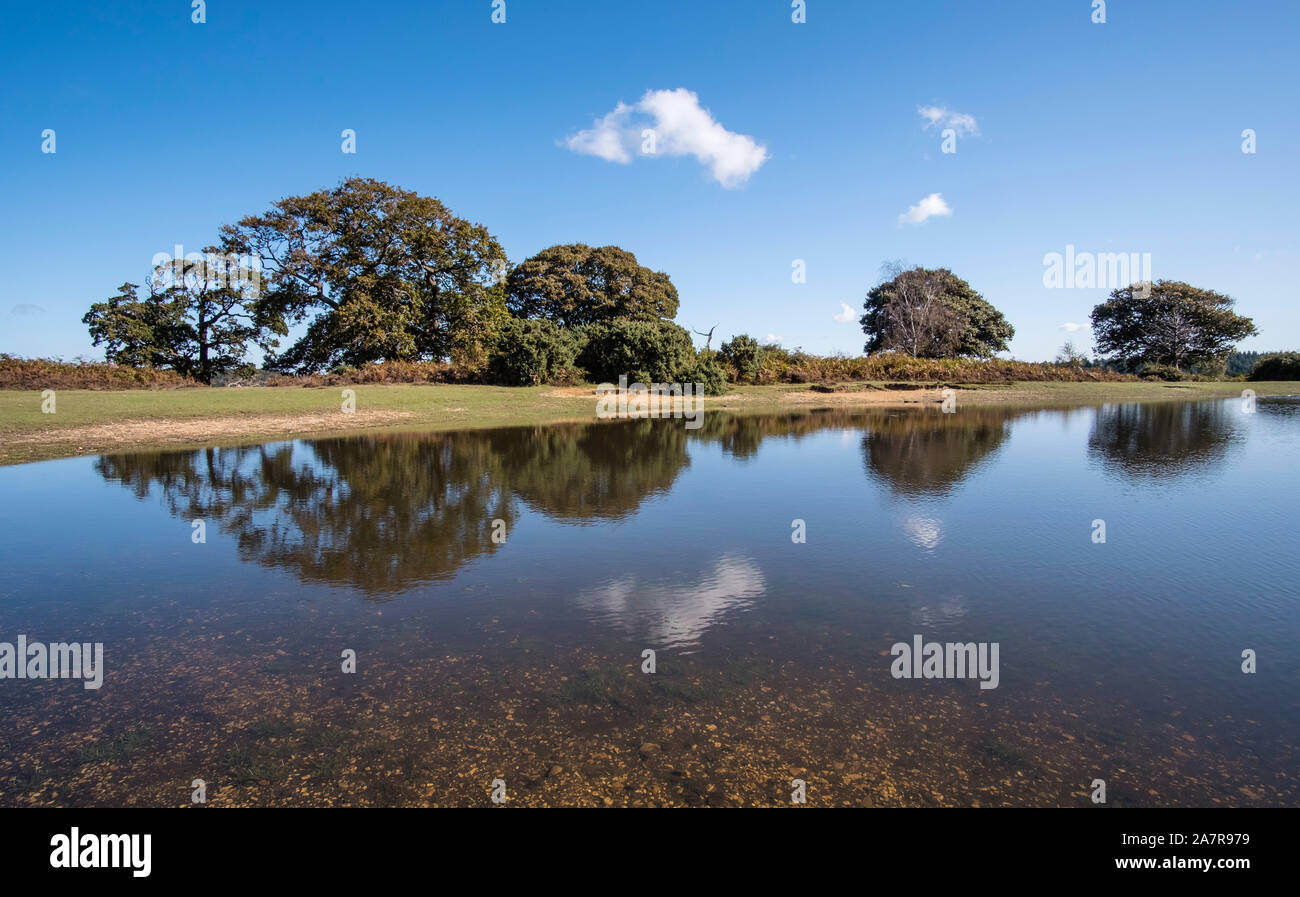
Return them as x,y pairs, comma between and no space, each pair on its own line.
576,284
378,273
1168,322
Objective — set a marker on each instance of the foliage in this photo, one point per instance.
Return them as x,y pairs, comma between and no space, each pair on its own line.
795,366
575,284
1068,354
197,319
646,351
1168,323
932,313
1241,363
745,355
531,352
380,273
705,370
1162,372
387,372
1277,366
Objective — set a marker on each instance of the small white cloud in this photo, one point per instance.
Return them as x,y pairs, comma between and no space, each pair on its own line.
681,126
930,206
846,315
932,114
774,340
24,309
605,138
1071,327
941,116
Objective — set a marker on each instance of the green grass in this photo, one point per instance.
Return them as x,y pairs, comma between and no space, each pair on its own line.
21,410
135,420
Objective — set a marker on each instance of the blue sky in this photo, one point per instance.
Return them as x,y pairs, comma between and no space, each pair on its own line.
1115,137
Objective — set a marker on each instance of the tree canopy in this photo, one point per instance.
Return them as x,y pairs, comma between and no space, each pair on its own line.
932,313
575,284
197,319
378,272
1168,323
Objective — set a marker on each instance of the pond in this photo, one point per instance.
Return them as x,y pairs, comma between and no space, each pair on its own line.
504,594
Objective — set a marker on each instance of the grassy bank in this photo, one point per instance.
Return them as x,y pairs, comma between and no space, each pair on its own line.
94,422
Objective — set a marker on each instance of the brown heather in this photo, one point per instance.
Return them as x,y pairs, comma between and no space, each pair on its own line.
47,373
781,366
778,366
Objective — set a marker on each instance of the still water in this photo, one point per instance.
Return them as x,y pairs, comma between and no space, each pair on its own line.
499,589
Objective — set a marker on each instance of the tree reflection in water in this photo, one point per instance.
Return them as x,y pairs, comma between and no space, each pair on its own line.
1164,439
386,511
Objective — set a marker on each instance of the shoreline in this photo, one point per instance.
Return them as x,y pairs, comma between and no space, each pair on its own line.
90,422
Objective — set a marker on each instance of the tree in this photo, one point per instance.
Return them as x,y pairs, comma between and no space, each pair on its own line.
932,314
1241,363
1277,366
380,273
136,332
1070,355
197,319
1168,323
575,284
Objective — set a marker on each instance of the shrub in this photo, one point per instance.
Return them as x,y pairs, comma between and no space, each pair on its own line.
1277,366
646,351
707,371
745,355
531,352
794,366
381,372
1161,372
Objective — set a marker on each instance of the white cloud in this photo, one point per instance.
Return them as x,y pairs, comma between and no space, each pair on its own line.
25,309
848,314
605,139
931,205
1071,327
941,116
774,340
681,128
